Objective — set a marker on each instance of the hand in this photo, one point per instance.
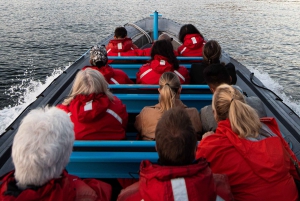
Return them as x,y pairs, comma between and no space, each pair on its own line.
207,134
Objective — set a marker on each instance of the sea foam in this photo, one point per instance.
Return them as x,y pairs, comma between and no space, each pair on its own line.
31,89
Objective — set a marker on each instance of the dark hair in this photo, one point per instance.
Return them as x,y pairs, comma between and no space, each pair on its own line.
176,138
120,32
165,48
188,29
216,74
211,52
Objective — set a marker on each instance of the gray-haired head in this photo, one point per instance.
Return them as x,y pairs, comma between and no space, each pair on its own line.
42,146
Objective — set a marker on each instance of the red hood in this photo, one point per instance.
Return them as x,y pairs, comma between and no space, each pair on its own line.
166,173
85,108
268,167
193,41
120,45
156,181
56,189
106,71
160,64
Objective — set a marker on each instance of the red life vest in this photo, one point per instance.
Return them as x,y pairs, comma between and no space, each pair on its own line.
257,170
151,72
112,76
67,187
95,117
192,46
158,183
121,47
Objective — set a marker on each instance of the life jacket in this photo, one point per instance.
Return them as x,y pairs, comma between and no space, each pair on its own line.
257,169
121,47
193,182
112,76
192,46
151,72
95,117
67,187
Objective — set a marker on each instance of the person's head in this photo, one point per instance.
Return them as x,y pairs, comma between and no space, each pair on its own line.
165,36
42,146
215,75
175,138
229,102
120,32
169,90
98,56
188,29
87,82
165,49
212,52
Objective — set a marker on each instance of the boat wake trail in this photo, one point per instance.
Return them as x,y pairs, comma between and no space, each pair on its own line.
30,89
277,89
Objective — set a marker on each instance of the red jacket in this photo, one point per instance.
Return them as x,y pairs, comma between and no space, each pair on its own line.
191,182
192,46
150,73
112,76
95,117
68,187
257,170
121,47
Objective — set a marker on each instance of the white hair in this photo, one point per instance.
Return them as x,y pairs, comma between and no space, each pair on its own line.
42,146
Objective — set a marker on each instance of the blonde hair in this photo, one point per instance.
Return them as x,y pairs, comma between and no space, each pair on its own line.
169,85
86,82
228,102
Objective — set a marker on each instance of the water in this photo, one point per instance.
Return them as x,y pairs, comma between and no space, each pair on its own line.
39,39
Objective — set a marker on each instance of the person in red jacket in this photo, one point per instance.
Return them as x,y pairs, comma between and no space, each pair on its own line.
250,151
40,152
162,60
121,45
176,176
96,113
147,51
193,41
98,60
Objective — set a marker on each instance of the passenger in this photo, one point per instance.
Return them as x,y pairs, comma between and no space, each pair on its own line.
177,176
121,45
215,75
211,55
162,60
169,90
147,51
98,60
249,151
192,40
40,152
96,113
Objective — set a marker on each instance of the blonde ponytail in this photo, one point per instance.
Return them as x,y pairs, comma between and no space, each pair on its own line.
86,82
228,102
169,84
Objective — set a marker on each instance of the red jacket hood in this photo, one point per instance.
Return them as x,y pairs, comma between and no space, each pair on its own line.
106,71
160,64
85,108
156,182
254,153
193,41
165,173
120,45
56,189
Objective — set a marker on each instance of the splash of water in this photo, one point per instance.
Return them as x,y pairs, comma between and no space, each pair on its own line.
278,89
30,90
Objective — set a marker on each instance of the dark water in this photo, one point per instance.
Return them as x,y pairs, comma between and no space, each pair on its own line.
38,37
